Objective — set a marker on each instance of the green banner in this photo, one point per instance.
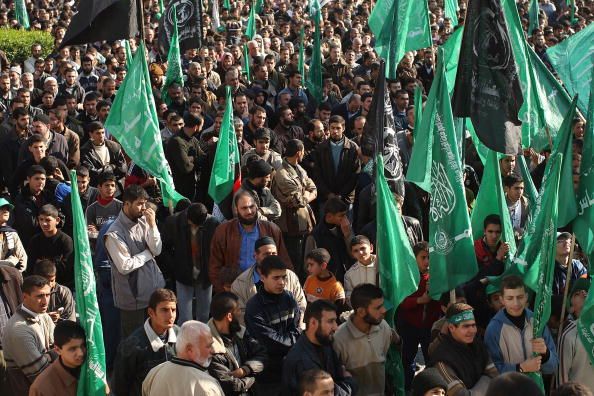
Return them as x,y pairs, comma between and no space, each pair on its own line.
93,377
573,59
174,70
435,166
133,122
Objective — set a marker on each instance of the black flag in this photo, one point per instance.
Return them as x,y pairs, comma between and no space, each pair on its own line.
380,130
98,20
487,83
189,25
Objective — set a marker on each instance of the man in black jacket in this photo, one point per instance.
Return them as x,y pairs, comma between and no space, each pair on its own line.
238,357
100,155
272,317
148,346
314,350
187,240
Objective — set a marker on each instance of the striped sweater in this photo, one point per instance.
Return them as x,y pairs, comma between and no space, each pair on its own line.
26,343
574,363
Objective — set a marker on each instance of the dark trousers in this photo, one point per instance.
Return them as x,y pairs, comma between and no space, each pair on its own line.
295,249
110,316
411,338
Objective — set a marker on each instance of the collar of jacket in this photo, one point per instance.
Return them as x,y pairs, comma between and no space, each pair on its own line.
356,333
187,363
155,341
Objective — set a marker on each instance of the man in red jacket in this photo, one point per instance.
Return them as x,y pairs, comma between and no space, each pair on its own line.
416,315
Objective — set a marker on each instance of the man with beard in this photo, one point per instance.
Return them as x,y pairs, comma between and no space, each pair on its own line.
232,245
237,356
272,317
314,135
87,78
257,120
362,342
256,182
462,359
186,374
313,350
285,130
132,242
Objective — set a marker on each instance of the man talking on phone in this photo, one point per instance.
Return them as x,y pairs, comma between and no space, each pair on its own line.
132,243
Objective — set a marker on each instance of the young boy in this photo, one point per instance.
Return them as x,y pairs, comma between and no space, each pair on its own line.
517,203
12,252
365,269
106,208
61,302
321,284
61,377
53,244
416,314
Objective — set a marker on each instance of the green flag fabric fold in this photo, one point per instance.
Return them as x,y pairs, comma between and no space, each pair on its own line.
585,322
399,26
451,11
174,70
583,224
250,30
491,200
226,157
573,60
246,60
533,15
451,49
313,81
435,167
133,122
20,11
93,375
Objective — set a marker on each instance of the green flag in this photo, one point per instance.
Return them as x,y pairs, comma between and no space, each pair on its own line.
226,4
250,30
313,82
583,225
451,11
541,276
133,122
21,14
399,26
246,60
545,100
481,149
530,191
491,200
398,271
93,377
128,53
573,59
159,14
174,70
301,64
435,167
564,145
533,14
451,50
226,157
259,6
533,251
585,322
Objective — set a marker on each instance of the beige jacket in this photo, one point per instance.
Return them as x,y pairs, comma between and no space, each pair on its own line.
364,355
294,190
359,274
245,288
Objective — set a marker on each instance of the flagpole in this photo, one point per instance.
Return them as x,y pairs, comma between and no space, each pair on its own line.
566,291
140,5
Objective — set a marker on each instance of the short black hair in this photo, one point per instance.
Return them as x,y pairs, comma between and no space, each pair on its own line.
309,379
359,240
319,255
191,120
35,138
509,181
363,294
49,210
335,205
45,268
50,164
422,246
33,282
512,282
513,383
134,192
105,177
67,330
94,126
82,171
315,309
572,389
223,303
271,263
336,119
197,213
491,219
35,170
161,295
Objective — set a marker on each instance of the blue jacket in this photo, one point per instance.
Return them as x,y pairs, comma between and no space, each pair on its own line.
509,346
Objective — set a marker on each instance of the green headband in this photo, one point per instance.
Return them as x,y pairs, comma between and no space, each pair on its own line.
461,317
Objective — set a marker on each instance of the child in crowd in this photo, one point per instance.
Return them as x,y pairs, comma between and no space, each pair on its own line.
53,244
321,283
107,207
12,252
365,270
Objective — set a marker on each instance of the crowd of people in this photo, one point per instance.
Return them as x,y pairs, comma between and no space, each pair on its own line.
275,290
